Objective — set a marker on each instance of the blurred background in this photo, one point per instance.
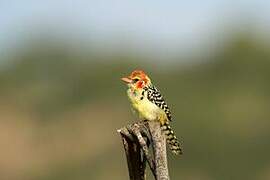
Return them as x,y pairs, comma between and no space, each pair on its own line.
61,98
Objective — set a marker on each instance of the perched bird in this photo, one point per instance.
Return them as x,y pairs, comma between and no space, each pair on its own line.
147,101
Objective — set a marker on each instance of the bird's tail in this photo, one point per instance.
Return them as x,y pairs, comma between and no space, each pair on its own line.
171,138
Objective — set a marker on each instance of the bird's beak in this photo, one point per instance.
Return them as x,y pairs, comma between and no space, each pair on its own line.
126,80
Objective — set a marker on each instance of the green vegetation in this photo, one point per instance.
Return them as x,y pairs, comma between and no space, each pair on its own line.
61,111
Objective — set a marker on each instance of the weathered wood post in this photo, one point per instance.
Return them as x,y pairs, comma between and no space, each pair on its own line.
137,138
159,150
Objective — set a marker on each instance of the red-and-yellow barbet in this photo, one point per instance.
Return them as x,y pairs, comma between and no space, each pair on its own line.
147,101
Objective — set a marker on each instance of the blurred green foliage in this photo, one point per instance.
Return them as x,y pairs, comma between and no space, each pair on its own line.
72,105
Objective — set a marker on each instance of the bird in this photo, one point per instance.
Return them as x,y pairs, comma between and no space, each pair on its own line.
150,105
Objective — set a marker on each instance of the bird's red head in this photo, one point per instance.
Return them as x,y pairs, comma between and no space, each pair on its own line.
137,79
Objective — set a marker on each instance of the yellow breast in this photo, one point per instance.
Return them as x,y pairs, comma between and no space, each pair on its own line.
145,108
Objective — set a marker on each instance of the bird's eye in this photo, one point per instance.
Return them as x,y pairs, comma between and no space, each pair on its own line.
135,80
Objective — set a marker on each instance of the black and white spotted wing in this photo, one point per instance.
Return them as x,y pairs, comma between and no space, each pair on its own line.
154,95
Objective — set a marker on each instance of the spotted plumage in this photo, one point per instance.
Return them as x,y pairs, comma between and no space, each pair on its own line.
154,95
150,105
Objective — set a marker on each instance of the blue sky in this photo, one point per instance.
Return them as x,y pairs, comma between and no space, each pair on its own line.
150,24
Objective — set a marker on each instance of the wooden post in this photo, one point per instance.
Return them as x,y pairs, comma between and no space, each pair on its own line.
136,140
136,165
159,148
